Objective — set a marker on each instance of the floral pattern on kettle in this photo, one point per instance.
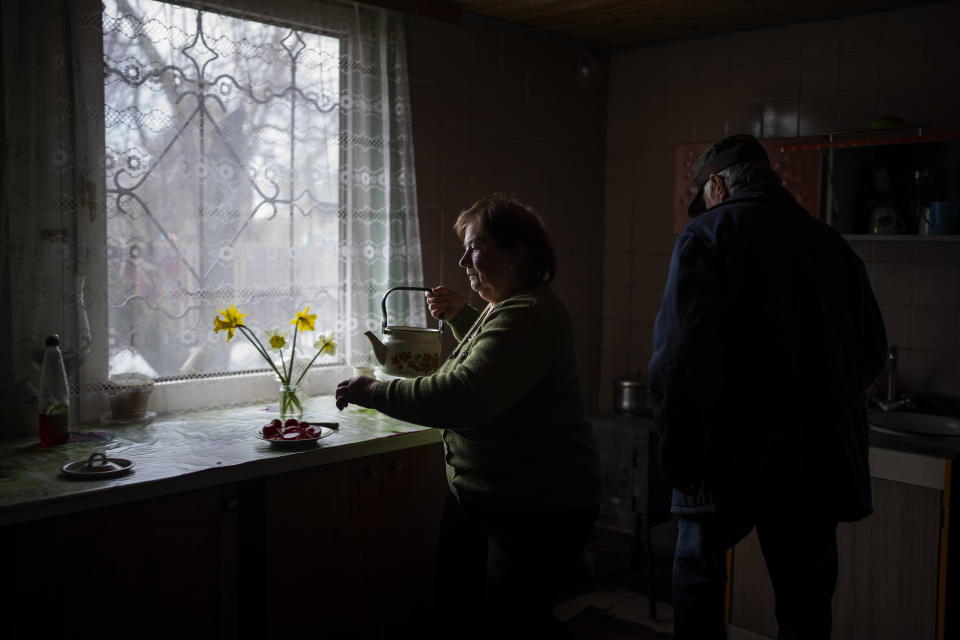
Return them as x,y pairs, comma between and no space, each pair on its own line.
420,362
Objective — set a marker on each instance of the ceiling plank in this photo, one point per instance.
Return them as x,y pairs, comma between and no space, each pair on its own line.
620,23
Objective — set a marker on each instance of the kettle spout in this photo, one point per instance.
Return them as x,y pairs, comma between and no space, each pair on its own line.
379,349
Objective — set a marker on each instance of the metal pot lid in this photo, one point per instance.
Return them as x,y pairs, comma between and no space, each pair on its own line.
98,465
632,380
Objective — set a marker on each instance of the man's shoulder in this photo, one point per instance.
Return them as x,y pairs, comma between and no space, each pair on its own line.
759,207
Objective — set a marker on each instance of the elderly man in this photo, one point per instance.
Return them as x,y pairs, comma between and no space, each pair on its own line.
767,338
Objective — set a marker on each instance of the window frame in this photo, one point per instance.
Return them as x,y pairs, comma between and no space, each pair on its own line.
174,394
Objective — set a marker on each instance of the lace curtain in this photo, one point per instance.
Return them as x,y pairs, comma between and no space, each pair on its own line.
167,162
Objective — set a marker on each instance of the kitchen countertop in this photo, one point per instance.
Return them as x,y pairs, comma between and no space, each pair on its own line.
930,445
177,453
936,446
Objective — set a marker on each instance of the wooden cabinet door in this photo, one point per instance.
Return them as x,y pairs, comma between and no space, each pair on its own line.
322,540
801,170
888,577
887,587
158,568
414,489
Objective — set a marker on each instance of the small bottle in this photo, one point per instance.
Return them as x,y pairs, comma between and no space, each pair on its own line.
54,396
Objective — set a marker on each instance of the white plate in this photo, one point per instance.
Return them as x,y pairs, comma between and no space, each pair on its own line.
293,444
109,419
79,469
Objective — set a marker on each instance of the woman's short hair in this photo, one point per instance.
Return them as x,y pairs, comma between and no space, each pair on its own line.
513,225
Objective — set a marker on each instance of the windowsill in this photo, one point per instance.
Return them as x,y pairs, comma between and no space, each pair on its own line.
178,396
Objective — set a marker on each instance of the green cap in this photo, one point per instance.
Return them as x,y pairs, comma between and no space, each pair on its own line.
723,153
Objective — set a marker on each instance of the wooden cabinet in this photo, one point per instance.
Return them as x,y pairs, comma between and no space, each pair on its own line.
413,492
877,177
164,567
342,550
892,581
841,177
801,170
352,547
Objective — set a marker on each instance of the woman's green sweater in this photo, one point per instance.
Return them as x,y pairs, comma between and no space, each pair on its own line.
508,403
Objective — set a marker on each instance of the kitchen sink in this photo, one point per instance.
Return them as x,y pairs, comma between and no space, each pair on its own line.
921,423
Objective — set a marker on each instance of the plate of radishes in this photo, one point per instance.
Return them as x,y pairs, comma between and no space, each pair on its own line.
294,433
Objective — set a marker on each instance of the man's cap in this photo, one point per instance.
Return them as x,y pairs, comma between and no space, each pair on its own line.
723,153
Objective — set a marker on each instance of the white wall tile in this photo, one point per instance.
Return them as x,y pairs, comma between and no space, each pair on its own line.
784,81
892,283
936,286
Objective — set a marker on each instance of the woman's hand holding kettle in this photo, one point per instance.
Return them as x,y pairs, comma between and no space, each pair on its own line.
443,301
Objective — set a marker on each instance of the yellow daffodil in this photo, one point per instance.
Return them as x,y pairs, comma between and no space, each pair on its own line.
304,320
326,344
231,320
277,339
233,316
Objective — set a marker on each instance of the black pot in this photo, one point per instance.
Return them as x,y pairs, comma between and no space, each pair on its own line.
631,395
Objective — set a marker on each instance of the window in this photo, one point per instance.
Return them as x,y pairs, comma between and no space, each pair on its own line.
258,162
164,162
222,152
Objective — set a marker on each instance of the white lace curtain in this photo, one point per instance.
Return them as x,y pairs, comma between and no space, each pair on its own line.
164,162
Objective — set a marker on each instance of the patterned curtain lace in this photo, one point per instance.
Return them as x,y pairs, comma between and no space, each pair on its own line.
188,160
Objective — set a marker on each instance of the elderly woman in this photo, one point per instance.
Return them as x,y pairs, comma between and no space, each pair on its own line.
522,467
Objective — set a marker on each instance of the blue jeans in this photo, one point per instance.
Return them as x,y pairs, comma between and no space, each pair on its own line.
800,548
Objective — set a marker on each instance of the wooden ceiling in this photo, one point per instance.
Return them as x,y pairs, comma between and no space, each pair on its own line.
626,23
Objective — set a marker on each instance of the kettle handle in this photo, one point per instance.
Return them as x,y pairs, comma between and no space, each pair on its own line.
383,304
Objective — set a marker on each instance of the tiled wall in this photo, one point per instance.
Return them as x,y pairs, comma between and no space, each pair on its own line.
496,108
786,81
918,285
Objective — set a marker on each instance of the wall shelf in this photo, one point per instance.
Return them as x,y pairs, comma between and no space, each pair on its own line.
903,237
877,141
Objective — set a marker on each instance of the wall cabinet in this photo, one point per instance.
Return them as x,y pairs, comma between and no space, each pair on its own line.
892,581
884,185
851,179
801,170
344,550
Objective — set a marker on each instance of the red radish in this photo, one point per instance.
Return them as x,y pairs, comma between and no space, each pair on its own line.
270,430
276,423
291,435
291,422
304,423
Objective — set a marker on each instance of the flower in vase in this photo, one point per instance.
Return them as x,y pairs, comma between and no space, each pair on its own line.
304,320
231,320
326,344
289,376
276,339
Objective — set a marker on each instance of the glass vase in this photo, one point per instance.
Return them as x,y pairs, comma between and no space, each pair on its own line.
290,402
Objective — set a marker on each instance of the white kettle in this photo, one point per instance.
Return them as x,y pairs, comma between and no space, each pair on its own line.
407,352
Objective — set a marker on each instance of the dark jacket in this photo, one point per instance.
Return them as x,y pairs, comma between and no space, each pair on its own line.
768,336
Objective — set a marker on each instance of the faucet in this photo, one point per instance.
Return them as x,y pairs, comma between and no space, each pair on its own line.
892,373
893,401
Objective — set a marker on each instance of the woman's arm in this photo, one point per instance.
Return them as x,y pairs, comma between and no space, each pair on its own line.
506,359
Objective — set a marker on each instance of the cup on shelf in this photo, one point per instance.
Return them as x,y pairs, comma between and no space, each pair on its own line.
128,394
884,220
943,219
